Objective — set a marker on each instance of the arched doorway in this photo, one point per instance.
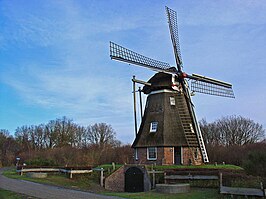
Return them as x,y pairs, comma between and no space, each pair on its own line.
134,180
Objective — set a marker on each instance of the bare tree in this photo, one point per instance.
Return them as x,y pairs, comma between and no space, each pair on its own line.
23,137
8,148
59,133
232,130
211,134
101,134
237,130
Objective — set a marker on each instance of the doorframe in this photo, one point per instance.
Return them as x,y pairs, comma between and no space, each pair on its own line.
126,182
181,155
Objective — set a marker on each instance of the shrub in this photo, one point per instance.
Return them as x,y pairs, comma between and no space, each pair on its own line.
255,164
41,162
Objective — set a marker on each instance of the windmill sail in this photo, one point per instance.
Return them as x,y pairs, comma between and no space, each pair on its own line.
189,122
120,53
173,27
211,86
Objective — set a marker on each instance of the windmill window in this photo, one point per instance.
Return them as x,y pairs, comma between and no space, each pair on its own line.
153,127
172,101
152,153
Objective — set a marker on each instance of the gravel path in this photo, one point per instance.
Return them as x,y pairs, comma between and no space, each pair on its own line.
45,191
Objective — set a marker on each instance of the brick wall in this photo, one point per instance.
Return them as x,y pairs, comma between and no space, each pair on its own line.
188,156
142,156
165,156
116,181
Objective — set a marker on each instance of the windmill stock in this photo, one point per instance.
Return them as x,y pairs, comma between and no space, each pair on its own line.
169,132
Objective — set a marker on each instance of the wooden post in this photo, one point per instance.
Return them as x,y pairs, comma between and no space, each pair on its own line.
262,189
220,180
70,175
113,166
135,101
140,103
101,180
153,179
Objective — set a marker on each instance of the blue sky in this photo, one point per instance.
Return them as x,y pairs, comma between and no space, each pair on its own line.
54,57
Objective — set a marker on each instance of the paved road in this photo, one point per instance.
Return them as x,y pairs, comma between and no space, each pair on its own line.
45,191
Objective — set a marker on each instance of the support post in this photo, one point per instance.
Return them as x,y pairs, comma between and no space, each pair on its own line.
153,179
113,166
140,103
134,99
262,189
220,181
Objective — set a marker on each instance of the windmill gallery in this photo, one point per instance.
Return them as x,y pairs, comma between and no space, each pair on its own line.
169,132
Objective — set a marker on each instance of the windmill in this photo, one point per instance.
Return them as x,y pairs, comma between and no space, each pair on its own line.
169,132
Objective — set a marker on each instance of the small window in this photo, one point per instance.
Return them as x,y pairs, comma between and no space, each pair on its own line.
152,153
172,101
153,127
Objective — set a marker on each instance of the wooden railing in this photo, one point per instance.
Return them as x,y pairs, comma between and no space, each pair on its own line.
241,191
171,176
70,170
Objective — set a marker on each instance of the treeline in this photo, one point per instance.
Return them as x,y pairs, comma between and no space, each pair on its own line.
64,132
63,142
231,130
236,140
233,140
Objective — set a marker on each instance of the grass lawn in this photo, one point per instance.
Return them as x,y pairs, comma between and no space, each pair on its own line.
207,166
89,182
82,182
5,194
195,193
164,167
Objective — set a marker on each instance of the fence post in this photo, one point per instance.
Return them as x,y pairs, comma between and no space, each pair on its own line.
113,166
153,178
220,180
262,188
101,180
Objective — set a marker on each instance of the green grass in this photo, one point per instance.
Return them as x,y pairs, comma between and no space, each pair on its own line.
164,167
193,194
207,166
89,182
83,182
5,194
